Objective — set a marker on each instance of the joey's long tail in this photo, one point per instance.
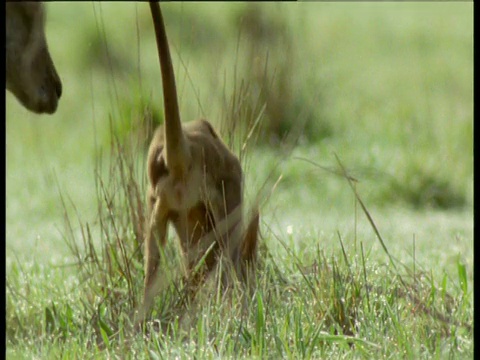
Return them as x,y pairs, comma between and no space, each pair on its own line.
175,145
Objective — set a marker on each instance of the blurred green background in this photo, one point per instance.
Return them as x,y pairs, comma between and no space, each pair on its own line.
388,87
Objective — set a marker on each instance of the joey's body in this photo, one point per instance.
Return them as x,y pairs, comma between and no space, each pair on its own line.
204,206
195,184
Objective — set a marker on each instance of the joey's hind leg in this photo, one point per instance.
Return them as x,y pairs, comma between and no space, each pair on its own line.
156,235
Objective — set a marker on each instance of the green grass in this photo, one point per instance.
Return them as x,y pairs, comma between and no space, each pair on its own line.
386,87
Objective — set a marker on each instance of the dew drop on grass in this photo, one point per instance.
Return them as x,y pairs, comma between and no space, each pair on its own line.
289,229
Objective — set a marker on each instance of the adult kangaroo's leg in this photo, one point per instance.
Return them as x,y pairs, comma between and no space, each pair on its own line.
30,73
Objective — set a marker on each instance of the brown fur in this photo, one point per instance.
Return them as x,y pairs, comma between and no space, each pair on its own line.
195,183
30,73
